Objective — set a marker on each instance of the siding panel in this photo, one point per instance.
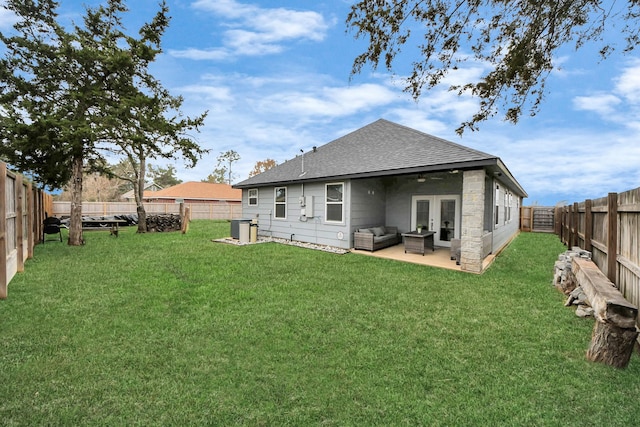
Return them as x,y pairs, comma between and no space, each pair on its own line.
296,227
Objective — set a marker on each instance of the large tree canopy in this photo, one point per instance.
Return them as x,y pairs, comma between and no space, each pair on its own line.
57,87
71,96
164,177
150,125
516,38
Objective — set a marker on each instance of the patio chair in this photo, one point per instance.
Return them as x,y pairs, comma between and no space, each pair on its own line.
455,250
51,225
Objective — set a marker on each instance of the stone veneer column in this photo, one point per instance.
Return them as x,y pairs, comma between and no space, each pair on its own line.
472,220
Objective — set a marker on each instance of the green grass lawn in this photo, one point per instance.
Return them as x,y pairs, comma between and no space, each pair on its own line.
172,329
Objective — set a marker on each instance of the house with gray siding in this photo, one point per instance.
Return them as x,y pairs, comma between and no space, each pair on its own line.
389,174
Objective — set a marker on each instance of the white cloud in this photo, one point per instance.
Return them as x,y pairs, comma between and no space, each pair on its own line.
603,104
439,102
418,120
329,101
210,93
7,18
201,54
229,8
250,43
569,164
621,105
257,31
465,74
284,24
628,84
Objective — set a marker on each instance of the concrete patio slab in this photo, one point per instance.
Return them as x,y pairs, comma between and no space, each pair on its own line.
439,258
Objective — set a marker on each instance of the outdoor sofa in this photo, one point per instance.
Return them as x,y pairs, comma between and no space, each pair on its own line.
374,238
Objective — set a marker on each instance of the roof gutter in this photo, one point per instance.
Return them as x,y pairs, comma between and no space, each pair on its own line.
494,164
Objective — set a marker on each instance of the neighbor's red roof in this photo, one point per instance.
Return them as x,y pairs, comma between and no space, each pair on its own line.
199,190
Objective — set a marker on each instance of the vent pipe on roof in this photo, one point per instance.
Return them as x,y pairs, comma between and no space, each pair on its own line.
302,173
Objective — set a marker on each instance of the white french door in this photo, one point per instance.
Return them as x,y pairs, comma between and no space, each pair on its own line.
440,214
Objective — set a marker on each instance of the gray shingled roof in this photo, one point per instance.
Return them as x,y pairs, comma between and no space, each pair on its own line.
381,148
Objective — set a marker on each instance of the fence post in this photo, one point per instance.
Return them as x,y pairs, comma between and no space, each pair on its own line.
30,224
561,224
576,225
567,219
612,237
588,225
3,231
39,215
35,216
526,212
19,223
570,226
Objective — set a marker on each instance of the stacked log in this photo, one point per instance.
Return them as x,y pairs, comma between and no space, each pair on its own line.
163,223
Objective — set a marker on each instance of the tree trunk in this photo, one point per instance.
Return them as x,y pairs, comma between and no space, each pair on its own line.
142,219
611,345
139,196
75,222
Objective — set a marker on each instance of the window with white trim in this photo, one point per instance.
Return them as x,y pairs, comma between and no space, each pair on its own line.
280,202
497,210
334,202
506,207
253,197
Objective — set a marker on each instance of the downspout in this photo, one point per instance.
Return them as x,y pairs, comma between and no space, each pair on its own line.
493,206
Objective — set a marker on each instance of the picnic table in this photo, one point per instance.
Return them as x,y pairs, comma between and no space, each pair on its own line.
103,224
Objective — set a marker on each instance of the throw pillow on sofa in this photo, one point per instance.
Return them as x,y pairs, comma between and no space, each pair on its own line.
378,231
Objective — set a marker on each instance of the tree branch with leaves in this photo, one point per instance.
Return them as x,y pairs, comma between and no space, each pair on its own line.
222,173
262,166
516,39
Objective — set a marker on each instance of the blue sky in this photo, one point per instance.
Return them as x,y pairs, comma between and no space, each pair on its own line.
275,78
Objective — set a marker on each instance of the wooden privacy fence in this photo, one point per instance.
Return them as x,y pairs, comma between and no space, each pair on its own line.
22,210
197,210
537,219
609,228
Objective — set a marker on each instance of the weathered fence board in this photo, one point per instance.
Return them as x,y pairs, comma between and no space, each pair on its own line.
539,219
5,276
526,213
198,210
21,215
